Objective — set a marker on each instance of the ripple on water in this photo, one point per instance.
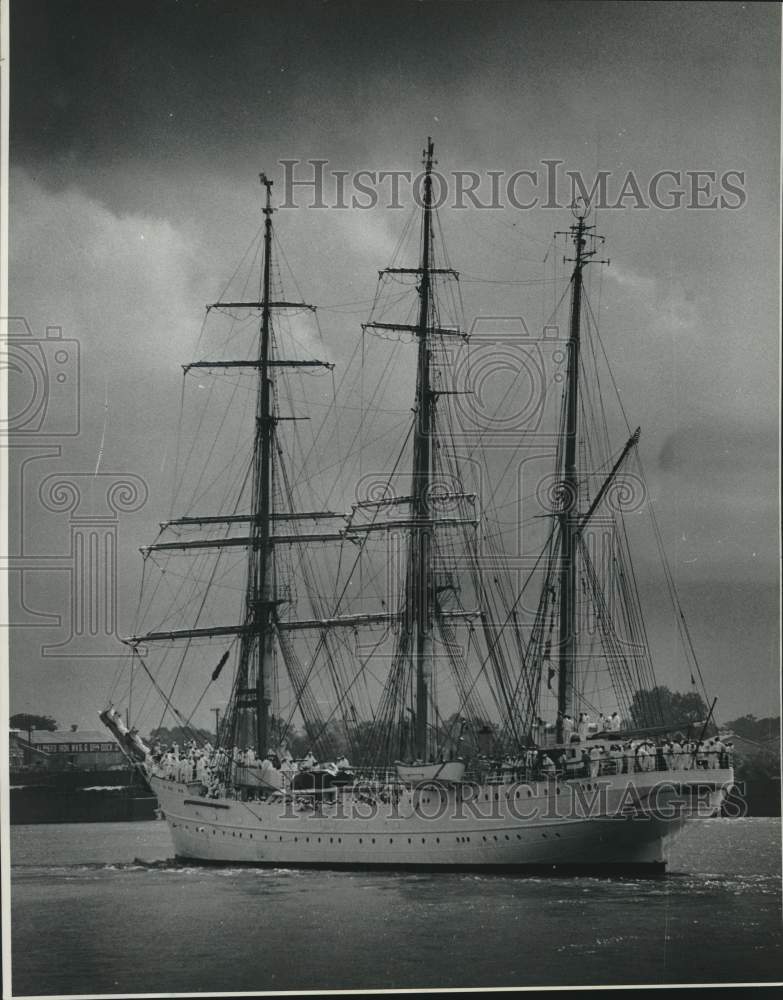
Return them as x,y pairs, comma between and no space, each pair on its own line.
363,929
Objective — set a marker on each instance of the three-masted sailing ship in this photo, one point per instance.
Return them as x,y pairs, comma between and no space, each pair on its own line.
458,731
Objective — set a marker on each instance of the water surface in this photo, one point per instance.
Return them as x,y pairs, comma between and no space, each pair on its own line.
102,908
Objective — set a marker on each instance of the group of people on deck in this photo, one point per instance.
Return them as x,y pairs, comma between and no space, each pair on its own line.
220,769
583,727
216,767
583,748
614,755
633,756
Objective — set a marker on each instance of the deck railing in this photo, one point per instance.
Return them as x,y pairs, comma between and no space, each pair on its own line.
494,773
626,762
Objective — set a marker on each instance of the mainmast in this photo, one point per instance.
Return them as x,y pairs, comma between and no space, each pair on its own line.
421,596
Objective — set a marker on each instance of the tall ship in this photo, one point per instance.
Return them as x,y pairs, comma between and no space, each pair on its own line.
443,662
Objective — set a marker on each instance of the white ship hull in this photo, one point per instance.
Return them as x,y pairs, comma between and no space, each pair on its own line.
452,770
572,825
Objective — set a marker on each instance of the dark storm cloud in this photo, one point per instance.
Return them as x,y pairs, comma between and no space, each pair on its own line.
98,82
95,80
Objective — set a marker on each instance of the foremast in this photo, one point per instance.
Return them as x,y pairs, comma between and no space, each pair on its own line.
260,621
257,648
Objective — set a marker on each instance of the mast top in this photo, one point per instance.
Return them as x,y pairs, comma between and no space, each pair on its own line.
580,208
580,233
427,159
268,185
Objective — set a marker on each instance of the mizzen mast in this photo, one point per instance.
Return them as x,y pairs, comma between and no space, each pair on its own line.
570,492
569,518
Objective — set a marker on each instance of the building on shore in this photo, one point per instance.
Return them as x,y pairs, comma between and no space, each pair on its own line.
82,749
74,776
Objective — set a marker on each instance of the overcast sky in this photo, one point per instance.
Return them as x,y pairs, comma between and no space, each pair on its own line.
137,134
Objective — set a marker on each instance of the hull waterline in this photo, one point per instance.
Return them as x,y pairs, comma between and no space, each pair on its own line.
609,824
